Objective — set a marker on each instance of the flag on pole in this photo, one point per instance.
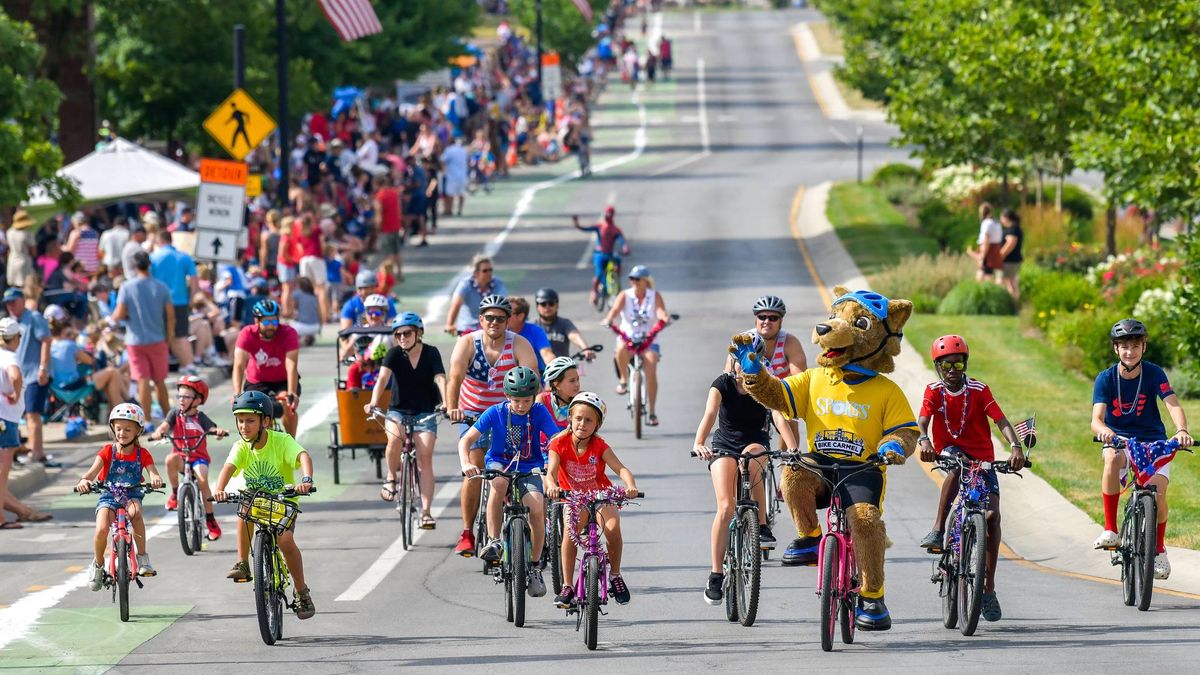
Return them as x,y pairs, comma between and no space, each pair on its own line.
351,19
585,8
1027,432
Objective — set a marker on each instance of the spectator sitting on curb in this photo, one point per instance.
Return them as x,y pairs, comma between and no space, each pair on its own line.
72,367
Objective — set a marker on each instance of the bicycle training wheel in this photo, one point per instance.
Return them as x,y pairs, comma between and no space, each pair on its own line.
187,515
518,557
830,564
405,505
1128,592
971,573
747,577
635,393
1147,520
123,578
591,608
264,586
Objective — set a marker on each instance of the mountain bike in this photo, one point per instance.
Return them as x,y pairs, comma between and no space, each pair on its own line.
773,498
610,285
122,557
961,570
409,484
591,574
190,509
638,344
270,514
514,568
1139,545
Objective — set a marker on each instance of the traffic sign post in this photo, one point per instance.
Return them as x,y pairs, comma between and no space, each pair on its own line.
551,77
220,209
216,245
239,124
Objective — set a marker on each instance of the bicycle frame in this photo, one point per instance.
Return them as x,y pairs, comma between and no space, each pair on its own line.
120,531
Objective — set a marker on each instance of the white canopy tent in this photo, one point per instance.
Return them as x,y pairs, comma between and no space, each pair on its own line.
121,171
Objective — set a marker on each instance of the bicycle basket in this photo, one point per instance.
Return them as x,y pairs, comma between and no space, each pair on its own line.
274,514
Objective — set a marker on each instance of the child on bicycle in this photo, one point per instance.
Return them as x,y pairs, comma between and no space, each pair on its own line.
610,245
121,462
1123,405
958,408
268,460
515,427
742,426
577,460
189,427
562,386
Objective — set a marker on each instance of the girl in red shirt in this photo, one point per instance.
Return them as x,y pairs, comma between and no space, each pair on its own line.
576,461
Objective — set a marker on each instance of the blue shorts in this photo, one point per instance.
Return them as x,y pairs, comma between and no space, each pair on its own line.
430,425
286,273
600,261
107,501
10,435
527,484
36,396
485,438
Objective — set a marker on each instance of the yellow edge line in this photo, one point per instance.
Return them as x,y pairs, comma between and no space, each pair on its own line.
809,76
793,217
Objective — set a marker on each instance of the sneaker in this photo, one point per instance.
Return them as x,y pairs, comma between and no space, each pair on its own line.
619,590
1107,540
872,614
990,609
564,598
190,370
466,544
537,585
145,569
765,536
96,578
802,551
220,361
240,572
713,593
933,541
491,552
304,607
172,502
214,530
1162,566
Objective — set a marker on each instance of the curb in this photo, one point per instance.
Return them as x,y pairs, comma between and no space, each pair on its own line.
829,97
1041,527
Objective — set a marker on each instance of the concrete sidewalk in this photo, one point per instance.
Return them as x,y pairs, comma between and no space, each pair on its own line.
1040,526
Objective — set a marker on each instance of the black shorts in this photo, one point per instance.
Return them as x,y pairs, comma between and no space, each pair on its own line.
865,486
722,450
270,388
183,321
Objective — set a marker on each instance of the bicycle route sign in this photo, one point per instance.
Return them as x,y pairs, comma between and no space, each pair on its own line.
220,209
239,124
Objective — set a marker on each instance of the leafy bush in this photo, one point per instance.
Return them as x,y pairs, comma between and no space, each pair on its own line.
896,172
1056,293
974,297
1135,293
898,191
1130,228
1185,379
1076,202
953,229
1073,258
994,194
923,279
1031,275
1114,273
1082,338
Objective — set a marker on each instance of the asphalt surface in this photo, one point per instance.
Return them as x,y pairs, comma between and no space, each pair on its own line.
705,199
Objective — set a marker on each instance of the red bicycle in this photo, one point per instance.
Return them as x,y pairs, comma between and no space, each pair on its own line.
122,557
637,346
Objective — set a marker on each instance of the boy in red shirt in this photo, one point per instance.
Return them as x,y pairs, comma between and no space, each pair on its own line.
959,408
577,460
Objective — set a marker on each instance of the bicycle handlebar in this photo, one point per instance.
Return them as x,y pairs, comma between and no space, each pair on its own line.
949,463
788,456
380,413
236,497
1122,442
563,494
489,474
595,349
97,487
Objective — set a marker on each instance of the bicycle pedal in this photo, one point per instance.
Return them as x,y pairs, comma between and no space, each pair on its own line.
138,581
242,581
1111,548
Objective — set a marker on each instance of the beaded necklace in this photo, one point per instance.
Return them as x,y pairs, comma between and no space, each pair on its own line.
962,423
527,451
1132,404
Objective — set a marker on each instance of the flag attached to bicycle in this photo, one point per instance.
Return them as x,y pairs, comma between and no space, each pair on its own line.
1027,432
1148,459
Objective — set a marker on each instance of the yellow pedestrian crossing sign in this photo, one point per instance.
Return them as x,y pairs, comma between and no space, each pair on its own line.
239,124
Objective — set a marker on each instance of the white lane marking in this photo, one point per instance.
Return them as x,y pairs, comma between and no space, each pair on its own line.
387,561
840,136
696,22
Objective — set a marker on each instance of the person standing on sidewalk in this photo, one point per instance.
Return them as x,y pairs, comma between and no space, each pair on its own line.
389,222
33,356
112,242
454,159
177,270
12,407
140,304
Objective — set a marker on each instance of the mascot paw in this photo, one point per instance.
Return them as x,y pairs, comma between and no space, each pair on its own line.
743,350
892,453
872,614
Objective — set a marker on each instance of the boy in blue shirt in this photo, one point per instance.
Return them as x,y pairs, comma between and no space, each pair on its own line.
516,428
1123,405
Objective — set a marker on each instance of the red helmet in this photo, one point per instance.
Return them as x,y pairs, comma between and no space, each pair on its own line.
196,384
947,345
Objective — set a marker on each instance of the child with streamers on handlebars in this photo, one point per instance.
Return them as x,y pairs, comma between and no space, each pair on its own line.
121,462
577,460
189,426
958,408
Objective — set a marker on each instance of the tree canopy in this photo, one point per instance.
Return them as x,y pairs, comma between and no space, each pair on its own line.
564,29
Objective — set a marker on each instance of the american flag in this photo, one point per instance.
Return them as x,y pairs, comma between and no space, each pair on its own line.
1026,431
351,19
1149,458
585,8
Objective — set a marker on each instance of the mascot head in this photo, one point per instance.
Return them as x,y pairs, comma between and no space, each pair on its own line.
863,332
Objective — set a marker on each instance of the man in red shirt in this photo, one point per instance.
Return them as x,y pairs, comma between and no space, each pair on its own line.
389,221
267,359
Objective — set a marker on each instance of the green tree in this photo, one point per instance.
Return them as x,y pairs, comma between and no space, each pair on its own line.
564,29
871,32
28,105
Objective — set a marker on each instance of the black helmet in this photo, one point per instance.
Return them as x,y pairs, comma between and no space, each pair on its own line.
495,302
546,295
265,308
769,303
1127,328
521,381
254,402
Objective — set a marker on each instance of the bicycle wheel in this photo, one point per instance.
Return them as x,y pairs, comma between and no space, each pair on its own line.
830,562
264,586
554,539
198,526
846,619
405,505
747,578
947,567
278,584
414,499
123,578
591,608
186,514
481,533
635,393
518,558
1128,592
971,572
1146,535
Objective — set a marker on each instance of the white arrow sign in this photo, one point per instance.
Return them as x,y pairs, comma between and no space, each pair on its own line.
216,245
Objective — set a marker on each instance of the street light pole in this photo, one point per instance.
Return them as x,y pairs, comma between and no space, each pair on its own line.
239,57
284,155
860,153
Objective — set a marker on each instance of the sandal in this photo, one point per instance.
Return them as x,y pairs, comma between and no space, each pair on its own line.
622,389
428,522
11,525
35,517
388,492
652,420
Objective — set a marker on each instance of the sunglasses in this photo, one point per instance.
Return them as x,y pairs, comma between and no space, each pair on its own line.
405,333
374,312
952,365
494,318
771,318
268,323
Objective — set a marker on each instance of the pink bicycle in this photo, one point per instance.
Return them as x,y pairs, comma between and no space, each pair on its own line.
122,557
637,346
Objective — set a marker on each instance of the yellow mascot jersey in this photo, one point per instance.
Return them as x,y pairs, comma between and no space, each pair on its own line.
846,421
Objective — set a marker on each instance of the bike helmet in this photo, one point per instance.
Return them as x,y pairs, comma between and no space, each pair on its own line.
546,295
264,309
1127,328
558,367
128,411
366,279
253,402
375,300
947,345
639,272
756,341
408,319
495,302
196,384
769,303
588,398
55,314
520,382
873,302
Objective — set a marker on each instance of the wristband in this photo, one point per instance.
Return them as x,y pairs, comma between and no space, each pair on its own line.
307,480
922,438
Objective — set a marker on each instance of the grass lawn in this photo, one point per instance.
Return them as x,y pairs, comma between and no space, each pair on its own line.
874,232
1027,379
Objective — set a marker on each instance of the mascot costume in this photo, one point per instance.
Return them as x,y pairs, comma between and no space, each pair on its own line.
852,413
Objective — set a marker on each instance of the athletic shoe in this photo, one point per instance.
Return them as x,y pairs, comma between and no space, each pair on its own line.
713,593
765,536
172,502
802,551
991,607
240,572
1107,540
537,585
491,552
214,530
933,541
466,544
1162,566
872,614
304,607
564,598
619,590
96,579
145,569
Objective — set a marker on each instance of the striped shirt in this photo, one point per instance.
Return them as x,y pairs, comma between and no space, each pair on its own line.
87,250
483,386
779,361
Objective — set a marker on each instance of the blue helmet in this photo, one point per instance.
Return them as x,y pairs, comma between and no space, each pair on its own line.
407,319
265,308
873,302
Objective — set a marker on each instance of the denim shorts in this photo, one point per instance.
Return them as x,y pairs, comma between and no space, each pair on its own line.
36,396
10,435
527,484
107,501
429,425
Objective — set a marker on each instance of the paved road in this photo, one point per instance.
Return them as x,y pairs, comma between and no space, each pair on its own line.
705,197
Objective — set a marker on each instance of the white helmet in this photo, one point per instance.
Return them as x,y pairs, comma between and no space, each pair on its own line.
55,313
128,411
375,300
557,367
593,400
